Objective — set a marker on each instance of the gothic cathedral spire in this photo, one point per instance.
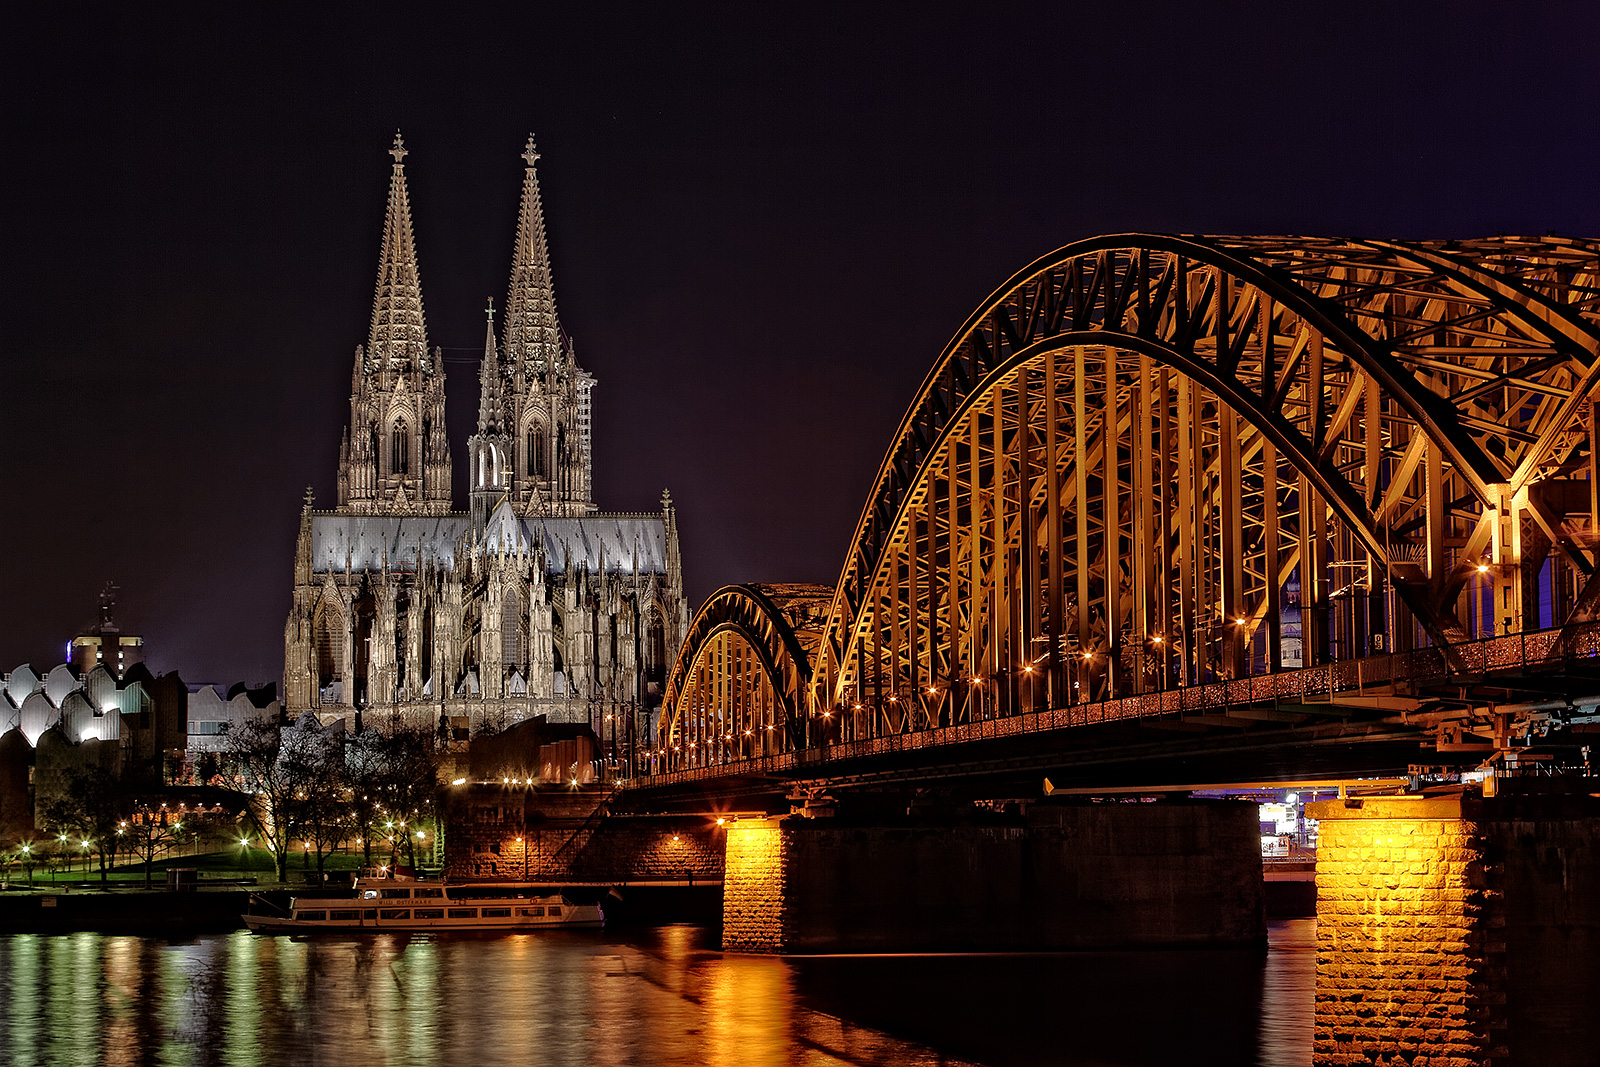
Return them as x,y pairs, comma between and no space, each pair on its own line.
549,408
399,335
533,336
395,455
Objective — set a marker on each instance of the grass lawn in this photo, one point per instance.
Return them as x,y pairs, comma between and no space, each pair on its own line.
225,865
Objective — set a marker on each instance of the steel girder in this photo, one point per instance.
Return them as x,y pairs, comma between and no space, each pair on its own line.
738,684
1418,391
1151,461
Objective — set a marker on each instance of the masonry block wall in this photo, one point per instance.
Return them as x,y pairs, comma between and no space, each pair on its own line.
1402,937
1072,875
753,886
563,835
1458,930
624,850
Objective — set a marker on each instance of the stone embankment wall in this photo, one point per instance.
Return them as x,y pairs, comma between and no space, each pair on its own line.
1456,931
564,835
1069,876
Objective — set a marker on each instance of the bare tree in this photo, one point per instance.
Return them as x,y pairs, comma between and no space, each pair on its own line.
91,808
277,770
150,829
411,783
366,764
320,813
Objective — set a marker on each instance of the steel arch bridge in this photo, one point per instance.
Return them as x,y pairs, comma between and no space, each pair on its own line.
1153,472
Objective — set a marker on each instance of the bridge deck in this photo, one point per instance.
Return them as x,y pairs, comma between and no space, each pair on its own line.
1514,663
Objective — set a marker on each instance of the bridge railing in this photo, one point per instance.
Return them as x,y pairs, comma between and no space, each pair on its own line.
1538,651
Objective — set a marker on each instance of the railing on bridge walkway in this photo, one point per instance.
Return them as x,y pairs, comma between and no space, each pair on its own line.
1539,651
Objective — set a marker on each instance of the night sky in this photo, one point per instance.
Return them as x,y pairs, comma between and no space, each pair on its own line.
765,223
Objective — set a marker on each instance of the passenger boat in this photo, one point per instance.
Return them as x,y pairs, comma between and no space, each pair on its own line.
402,904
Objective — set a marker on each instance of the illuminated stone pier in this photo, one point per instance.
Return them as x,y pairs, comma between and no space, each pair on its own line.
1457,931
1065,876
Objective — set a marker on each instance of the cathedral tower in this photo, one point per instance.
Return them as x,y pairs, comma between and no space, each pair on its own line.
394,456
549,393
529,603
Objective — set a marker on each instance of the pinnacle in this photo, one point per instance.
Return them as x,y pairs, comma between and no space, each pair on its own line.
399,150
531,154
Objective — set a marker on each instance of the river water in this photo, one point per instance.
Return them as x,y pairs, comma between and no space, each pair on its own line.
657,996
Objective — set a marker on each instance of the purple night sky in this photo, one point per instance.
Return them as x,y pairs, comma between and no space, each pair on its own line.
765,223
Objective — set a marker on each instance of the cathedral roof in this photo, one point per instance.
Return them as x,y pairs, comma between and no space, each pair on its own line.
367,540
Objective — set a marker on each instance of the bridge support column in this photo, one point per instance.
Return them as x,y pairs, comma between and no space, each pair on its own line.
1067,876
1461,930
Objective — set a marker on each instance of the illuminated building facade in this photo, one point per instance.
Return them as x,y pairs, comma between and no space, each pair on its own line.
105,645
531,602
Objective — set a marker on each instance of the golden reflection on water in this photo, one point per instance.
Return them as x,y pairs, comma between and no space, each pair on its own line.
747,1010
553,998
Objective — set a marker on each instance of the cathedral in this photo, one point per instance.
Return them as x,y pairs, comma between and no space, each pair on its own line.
531,602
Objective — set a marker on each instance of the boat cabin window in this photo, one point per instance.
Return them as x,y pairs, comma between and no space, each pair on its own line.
370,894
555,910
496,913
311,916
396,913
429,913
531,913
350,913
463,913
369,913
428,893
394,892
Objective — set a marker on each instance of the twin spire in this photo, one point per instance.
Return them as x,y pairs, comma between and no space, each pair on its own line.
399,334
533,336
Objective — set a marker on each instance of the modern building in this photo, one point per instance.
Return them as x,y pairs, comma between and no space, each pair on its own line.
212,713
529,602
105,644
67,722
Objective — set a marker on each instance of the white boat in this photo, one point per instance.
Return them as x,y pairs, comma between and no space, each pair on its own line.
385,904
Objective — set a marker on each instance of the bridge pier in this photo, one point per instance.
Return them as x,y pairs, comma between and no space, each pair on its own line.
1459,930
1072,875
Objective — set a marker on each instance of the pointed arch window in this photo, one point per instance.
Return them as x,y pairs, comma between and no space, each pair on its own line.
513,634
400,449
536,451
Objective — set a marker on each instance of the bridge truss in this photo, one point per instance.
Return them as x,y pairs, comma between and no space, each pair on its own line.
1153,463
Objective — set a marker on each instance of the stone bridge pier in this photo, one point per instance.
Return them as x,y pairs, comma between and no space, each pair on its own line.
1065,875
1460,930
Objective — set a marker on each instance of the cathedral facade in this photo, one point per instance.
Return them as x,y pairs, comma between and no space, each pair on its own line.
531,601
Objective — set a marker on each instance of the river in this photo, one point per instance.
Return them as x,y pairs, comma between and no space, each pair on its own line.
653,996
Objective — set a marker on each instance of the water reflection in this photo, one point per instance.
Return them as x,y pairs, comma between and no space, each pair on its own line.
657,997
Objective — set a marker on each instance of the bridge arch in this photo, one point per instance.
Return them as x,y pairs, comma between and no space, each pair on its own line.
1155,461
737,687
1297,427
